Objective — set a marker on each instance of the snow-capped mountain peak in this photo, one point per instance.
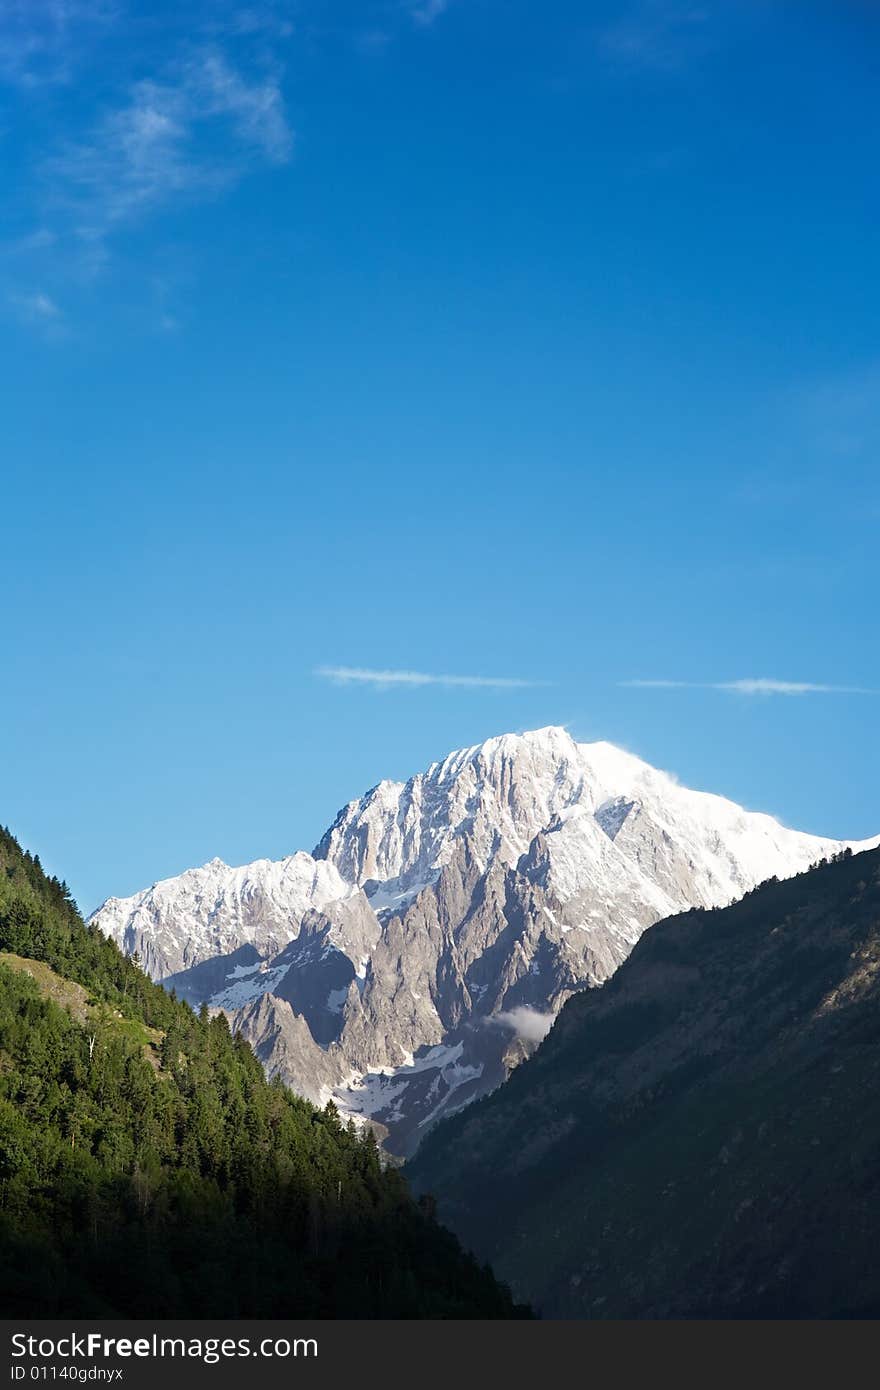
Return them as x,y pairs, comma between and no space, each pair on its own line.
499,794
442,921
211,910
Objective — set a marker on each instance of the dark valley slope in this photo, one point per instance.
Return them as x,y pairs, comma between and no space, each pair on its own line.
149,1169
700,1137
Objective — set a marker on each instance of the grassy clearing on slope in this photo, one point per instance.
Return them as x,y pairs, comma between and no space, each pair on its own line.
83,1008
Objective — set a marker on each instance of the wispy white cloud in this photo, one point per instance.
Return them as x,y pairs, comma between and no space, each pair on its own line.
269,18
41,41
181,112
38,311
382,680
37,305
427,11
757,685
763,686
659,35
148,150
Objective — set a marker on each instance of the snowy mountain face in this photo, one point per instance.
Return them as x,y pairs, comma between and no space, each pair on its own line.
425,946
210,911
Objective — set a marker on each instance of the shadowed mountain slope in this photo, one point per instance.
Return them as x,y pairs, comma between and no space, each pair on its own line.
700,1136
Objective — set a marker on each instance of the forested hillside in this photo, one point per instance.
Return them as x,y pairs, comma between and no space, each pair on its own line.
148,1169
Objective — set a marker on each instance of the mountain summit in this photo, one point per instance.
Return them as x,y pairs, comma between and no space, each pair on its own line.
424,947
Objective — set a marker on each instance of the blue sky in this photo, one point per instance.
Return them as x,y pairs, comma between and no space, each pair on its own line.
533,344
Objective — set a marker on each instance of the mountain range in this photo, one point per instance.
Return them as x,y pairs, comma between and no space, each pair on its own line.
422,950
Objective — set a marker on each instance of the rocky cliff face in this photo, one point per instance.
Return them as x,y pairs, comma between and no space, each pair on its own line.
425,946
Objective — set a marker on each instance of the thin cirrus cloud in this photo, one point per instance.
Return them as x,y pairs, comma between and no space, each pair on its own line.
39,306
427,12
753,686
150,149
183,113
42,41
386,680
658,35
39,311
